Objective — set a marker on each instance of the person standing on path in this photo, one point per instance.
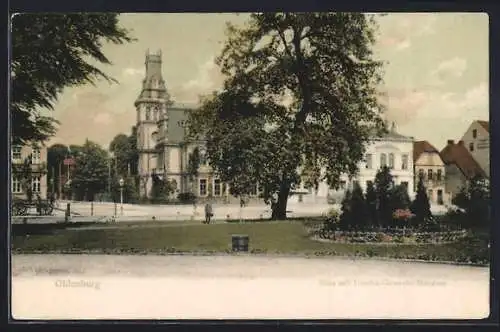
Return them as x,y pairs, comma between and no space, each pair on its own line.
208,212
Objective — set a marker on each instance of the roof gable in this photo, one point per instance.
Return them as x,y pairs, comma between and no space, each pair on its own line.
484,124
420,147
457,154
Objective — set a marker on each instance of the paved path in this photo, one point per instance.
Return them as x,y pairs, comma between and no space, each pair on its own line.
137,212
229,287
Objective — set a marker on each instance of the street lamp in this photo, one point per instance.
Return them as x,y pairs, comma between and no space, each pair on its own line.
121,182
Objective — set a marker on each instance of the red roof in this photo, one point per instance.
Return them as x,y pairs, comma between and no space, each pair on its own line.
420,147
459,155
484,124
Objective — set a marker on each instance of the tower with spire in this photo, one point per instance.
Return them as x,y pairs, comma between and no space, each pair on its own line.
152,119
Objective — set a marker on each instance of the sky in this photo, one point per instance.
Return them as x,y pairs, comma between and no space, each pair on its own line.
436,74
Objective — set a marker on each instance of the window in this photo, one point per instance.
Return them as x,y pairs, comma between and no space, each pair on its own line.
420,173
35,184
404,184
342,185
471,147
35,156
217,187
369,183
429,195
440,200
203,187
383,160
404,162
439,175
391,160
429,174
253,191
148,113
368,160
474,133
16,185
16,152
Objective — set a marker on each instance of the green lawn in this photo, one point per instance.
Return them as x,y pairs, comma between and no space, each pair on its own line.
285,237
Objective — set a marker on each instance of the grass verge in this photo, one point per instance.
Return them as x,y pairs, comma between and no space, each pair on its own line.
285,238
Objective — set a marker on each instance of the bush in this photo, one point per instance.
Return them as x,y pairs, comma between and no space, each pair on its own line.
186,198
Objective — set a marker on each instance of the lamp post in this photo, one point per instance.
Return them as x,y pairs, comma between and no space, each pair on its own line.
121,182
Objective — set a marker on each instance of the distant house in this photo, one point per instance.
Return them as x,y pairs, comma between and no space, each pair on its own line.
428,163
36,157
460,166
392,150
477,140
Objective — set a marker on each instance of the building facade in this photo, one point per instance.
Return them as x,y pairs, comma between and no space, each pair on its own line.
477,141
32,157
429,165
460,167
392,150
164,150
162,139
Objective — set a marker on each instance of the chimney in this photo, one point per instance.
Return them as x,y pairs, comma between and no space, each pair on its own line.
451,142
461,142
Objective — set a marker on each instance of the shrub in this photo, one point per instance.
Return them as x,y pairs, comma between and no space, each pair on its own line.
402,216
186,198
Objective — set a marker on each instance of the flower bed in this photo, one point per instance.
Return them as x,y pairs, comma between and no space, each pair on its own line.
401,236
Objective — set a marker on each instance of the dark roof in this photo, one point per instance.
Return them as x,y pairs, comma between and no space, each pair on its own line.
459,155
485,125
176,115
420,147
391,135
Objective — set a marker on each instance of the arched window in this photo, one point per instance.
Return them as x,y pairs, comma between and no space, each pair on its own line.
148,113
391,160
383,160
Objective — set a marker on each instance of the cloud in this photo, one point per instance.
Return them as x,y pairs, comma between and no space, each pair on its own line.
204,79
103,118
405,106
399,30
449,69
208,79
133,72
403,45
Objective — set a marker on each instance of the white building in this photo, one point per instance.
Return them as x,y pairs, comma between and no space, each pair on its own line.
393,150
477,140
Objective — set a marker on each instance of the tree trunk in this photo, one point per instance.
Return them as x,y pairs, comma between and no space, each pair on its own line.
279,207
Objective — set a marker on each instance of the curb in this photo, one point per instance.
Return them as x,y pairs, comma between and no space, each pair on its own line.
247,254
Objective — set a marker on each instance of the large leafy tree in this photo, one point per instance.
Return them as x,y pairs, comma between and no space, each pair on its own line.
300,94
51,52
124,149
90,175
55,157
194,161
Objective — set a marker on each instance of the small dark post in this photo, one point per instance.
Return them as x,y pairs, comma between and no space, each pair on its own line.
67,213
91,208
